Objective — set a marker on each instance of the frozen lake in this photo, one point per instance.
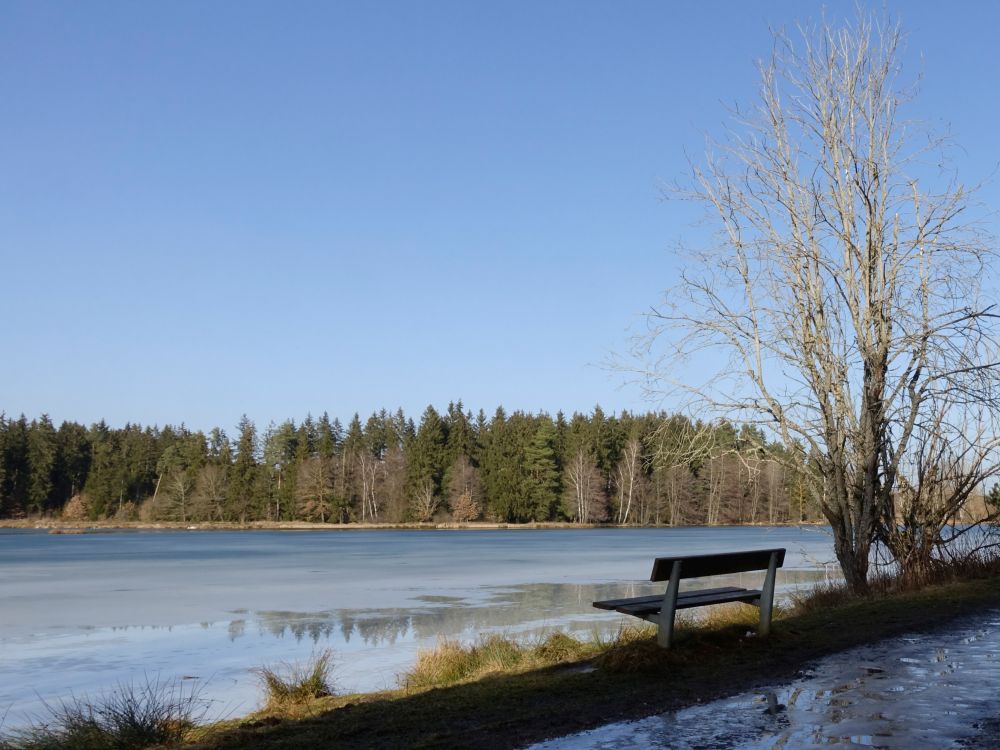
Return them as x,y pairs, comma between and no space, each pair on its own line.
80,613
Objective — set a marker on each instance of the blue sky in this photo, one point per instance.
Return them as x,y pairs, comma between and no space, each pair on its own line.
208,209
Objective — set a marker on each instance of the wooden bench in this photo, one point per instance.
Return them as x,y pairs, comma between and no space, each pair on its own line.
661,608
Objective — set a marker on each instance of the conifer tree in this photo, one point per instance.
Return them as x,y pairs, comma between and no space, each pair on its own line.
5,511
543,487
504,468
426,461
42,450
326,440
72,460
280,447
16,468
105,484
243,487
348,489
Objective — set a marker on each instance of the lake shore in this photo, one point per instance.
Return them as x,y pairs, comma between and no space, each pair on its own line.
80,527
510,710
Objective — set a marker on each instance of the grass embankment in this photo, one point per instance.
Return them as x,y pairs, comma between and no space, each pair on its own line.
501,694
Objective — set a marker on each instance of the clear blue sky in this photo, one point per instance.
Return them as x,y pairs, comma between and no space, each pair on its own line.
274,208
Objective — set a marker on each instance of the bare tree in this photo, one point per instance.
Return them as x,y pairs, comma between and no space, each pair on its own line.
716,476
628,474
210,492
584,485
845,293
368,470
176,496
947,464
394,489
675,482
425,501
314,488
464,490
754,467
775,476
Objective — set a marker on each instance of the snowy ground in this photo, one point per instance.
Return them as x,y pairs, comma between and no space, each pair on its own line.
919,692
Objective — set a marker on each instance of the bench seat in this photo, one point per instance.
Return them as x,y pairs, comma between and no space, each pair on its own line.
643,606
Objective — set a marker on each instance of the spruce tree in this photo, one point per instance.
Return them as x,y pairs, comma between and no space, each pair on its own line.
4,510
72,461
426,461
105,486
326,440
542,486
279,458
42,449
243,473
16,467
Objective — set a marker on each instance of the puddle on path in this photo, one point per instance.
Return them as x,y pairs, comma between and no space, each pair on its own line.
914,693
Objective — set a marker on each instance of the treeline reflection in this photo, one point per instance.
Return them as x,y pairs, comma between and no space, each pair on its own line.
526,607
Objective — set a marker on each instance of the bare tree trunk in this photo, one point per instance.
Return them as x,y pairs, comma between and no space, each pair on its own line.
627,475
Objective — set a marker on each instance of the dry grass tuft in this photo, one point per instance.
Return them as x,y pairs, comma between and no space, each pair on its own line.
450,661
559,647
295,684
823,596
133,716
720,617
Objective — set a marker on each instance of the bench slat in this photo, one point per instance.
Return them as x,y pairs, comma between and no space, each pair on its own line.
747,595
615,603
642,608
696,566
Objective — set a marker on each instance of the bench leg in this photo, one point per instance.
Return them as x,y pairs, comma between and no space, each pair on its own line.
665,620
767,597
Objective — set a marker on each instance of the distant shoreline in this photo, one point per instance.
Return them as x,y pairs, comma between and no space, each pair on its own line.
77,527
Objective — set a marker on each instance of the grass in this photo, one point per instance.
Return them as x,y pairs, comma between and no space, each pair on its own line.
451,662
502,693
297,684
133,716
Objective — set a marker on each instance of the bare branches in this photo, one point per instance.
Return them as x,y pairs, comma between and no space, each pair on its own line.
844,292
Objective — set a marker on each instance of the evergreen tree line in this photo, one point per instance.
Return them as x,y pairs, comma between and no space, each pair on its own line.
519,467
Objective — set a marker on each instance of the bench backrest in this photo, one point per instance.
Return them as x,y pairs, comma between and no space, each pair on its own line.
696,566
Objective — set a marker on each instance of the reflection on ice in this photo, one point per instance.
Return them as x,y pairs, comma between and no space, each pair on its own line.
511,609
919,692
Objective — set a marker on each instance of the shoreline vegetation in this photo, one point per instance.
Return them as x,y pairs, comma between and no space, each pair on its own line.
61,526
500,693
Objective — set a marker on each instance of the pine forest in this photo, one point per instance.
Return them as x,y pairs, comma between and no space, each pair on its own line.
450,467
